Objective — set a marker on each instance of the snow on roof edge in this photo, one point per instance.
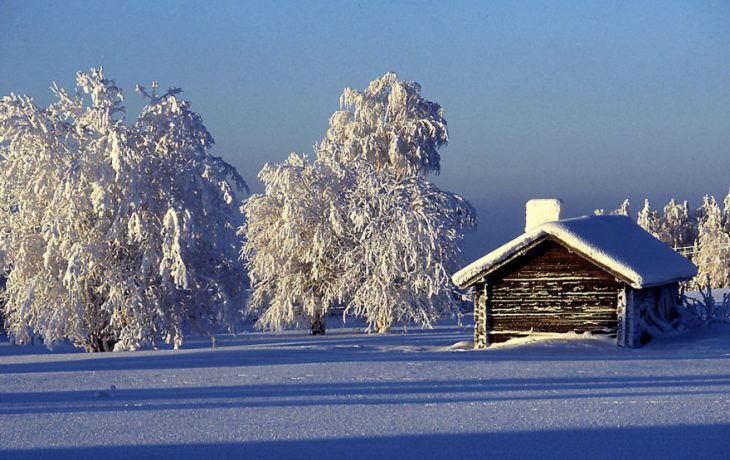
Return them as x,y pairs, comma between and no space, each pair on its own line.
575,241
462,277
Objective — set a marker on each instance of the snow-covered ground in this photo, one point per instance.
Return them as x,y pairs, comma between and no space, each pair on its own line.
350,395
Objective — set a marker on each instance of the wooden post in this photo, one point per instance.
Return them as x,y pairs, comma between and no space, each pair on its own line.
627,327
480,316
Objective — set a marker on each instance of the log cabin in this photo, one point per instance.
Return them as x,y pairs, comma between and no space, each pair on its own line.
598,274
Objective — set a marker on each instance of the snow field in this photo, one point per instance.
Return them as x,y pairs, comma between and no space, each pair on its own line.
350,395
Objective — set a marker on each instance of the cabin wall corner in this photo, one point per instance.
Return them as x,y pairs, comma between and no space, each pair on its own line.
628,333
481,299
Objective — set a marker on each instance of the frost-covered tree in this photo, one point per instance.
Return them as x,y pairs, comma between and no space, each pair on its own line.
726,213
405,235
294,242
648,219
624,209
701,213
389,125
687,226
406,230
114,237
359,227
676,227
712,255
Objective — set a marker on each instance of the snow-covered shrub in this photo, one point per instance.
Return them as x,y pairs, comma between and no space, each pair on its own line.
114,236
623,210
358,227
706,308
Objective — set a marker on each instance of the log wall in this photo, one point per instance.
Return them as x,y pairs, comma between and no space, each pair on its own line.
550,289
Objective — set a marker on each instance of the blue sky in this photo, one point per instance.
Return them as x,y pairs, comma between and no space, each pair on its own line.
591,102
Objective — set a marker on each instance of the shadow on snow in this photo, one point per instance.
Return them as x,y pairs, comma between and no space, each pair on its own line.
362,393
601,443
257,349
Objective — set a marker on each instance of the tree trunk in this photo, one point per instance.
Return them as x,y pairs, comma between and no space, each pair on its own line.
94,345
384,325
318,326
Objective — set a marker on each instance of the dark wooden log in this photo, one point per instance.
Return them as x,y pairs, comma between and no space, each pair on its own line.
551,289
480,323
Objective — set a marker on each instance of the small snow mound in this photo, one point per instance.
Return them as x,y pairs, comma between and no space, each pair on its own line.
464,345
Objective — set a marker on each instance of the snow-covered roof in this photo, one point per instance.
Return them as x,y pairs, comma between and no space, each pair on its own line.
613,242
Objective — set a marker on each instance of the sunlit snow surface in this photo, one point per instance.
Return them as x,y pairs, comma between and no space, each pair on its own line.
350,395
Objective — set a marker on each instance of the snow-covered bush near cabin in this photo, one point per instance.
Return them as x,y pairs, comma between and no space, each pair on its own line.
359,226
114,236
704,307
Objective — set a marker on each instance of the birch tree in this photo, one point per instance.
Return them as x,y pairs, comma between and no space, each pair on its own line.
390,126
677,227
359,227
648,219
712,255
293,243
405,235
114,237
